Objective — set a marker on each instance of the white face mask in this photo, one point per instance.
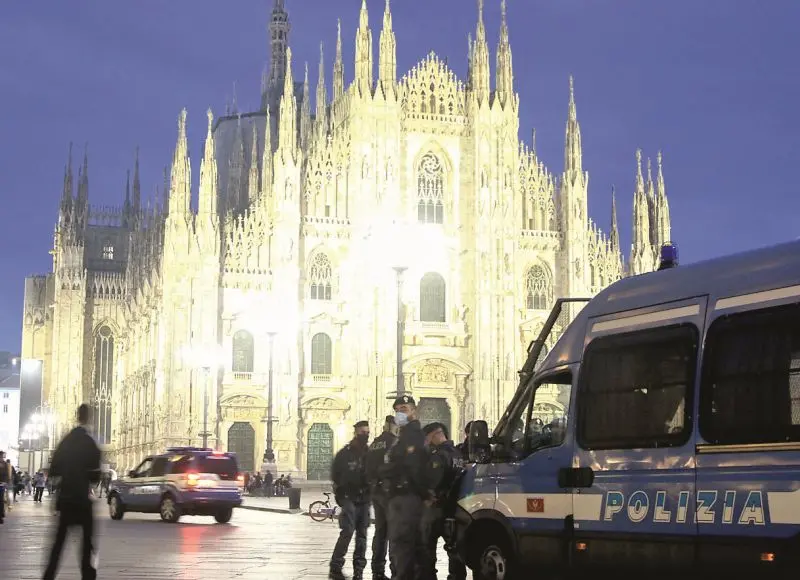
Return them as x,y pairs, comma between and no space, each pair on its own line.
400,419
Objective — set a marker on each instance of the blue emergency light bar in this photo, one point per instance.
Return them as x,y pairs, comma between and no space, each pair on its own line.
669,256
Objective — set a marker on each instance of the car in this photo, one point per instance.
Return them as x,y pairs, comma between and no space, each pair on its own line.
190,481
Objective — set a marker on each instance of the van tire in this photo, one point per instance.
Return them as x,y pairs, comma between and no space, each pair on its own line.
494,561
223,515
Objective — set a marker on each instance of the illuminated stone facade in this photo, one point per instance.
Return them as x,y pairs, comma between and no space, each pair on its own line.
299,223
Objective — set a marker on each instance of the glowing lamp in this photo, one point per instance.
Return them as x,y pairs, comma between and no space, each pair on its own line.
669,256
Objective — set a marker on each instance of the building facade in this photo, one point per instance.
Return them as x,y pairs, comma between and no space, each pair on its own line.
9,405
309,228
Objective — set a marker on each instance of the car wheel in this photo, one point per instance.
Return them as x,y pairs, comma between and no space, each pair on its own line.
223,516
494,562
169,510
115,508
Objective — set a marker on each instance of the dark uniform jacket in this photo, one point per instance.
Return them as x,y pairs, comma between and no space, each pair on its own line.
76,462
378,460
408,460
349,473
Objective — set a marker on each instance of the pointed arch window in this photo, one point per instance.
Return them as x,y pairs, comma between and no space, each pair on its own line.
430,190
432,298
321,354
103,383
538,289
320,275
243,351
108,250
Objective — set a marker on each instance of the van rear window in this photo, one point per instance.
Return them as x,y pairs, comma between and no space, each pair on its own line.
221,465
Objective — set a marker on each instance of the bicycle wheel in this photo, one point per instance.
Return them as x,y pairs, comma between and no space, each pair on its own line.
318,511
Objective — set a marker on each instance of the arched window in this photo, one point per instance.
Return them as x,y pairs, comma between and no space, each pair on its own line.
103,383
108,250
538,289
320,275
432,298
321,355
243,347
430,190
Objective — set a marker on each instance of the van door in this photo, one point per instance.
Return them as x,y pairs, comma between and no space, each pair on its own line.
748,461
634,431
533,448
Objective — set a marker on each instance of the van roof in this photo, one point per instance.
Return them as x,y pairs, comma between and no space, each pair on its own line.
733,275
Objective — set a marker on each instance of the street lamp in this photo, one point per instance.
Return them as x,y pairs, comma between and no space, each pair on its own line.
401,384
269,454
206,359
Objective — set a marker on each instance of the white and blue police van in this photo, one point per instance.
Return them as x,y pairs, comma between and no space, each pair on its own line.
671,439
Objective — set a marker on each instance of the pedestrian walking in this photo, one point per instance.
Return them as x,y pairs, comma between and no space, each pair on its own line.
407,489
351,490
76,462
38,484
5,478
377,464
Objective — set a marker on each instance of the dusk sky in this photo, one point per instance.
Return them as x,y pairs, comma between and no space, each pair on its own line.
713,83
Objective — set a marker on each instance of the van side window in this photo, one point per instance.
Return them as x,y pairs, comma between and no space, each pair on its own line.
635,389
540,417
750,388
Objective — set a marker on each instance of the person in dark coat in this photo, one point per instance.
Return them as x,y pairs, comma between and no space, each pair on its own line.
76,463
377,463
351,490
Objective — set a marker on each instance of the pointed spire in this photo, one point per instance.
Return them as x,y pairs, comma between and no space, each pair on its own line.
137,184
322,91
614,225
661,190
470,57
234,193
305,113
649,187
664,225
265,88
253,185
639,178
480,60
388,52
364,51
235,101
573,151
533,140
338,65
181,174
266,160
66,193
209,179
505,68
83,182
126,207
287,129
279,28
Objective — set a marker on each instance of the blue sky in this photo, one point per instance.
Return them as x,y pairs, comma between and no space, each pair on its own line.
713,83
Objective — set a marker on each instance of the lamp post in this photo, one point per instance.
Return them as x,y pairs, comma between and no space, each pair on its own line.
401,385
207,359
269,454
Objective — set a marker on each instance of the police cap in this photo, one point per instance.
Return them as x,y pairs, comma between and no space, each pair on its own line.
404,400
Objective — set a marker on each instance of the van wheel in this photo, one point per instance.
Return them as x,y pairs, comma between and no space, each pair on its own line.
115,508
494,563
223,515
169,510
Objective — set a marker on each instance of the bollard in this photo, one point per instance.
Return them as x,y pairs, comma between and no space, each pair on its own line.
294,498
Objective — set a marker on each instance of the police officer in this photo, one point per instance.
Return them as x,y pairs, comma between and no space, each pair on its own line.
443,470
463,447
407,489
377,463
351,490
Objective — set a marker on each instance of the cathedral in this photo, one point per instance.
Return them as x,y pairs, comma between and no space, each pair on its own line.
396,236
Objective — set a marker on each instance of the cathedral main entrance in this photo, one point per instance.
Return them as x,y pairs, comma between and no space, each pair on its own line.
242,441
320,452
434,410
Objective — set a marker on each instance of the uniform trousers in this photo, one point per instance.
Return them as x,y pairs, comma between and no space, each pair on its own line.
405,543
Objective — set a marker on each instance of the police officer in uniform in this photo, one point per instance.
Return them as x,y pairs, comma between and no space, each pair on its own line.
351,490
444,467
377,464
407,489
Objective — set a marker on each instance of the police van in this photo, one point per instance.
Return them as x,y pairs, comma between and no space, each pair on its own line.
671,438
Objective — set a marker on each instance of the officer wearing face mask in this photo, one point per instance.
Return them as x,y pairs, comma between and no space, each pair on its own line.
351,490
407,489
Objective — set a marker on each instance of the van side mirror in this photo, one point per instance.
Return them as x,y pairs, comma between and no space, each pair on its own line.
132,473
479,443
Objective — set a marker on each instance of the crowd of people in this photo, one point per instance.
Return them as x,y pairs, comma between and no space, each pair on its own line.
15,482
409,476
267,486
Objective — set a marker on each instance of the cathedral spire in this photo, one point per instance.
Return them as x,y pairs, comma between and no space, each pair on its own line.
126,207
573,152
266,160
279,28
388,52
338,65
287,122
614,225
642,257
137,185
470,53
364,51
83,182
480,60
207,202
181,175
252,178
322,93
649,187
305,113
66,193
505,69
664,226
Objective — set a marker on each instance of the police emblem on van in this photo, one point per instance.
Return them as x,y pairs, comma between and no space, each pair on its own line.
535,505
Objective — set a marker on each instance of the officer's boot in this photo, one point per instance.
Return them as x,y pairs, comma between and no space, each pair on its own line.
336,575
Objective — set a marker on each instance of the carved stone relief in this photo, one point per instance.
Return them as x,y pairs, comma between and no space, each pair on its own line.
431,373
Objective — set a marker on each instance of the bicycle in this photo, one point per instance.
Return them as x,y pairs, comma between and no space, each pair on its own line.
319,511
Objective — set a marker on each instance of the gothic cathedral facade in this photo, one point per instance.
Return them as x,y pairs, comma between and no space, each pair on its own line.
403,203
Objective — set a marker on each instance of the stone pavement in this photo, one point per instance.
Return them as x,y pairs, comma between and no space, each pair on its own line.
255,545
